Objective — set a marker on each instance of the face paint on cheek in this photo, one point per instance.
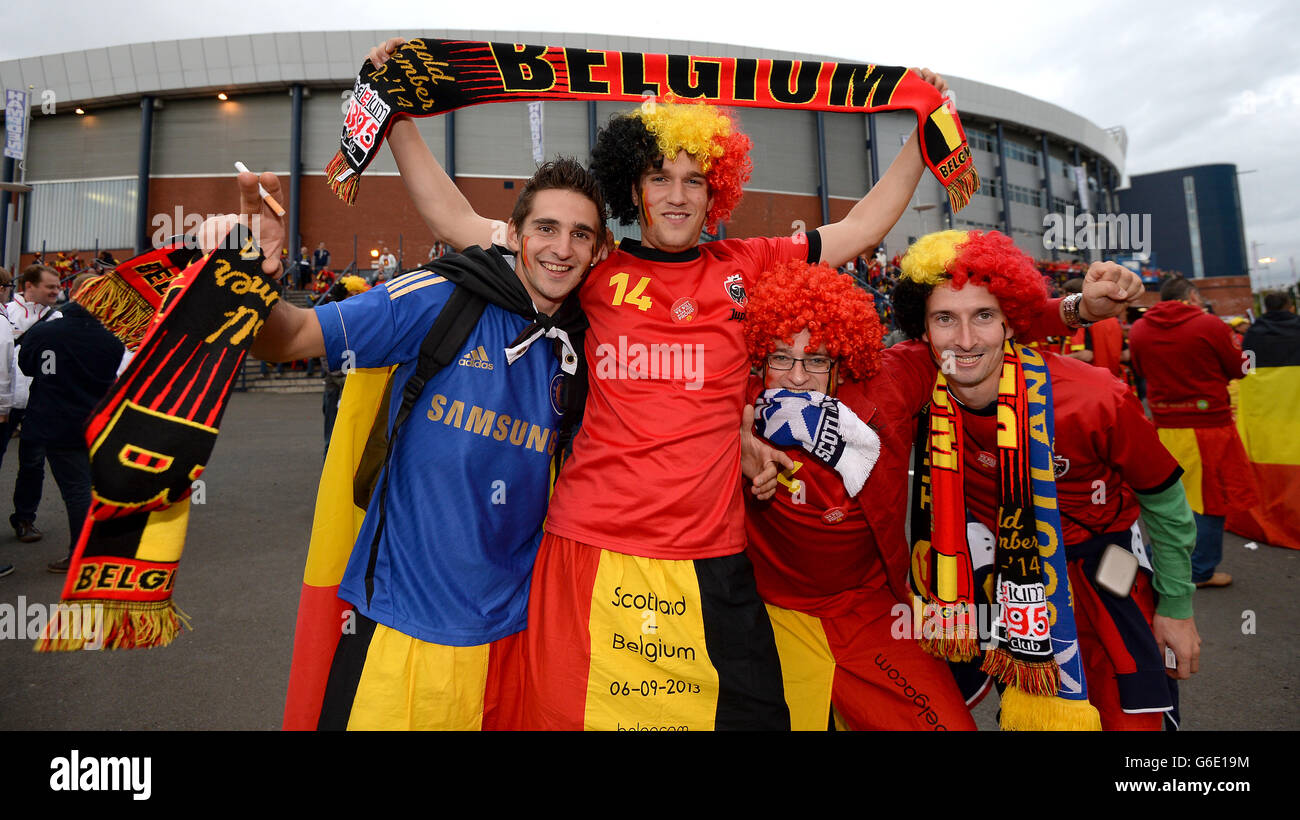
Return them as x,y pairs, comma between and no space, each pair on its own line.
523,252
645,212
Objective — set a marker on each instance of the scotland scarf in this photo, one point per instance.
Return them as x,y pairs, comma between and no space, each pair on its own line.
824,427
1033,646
429,76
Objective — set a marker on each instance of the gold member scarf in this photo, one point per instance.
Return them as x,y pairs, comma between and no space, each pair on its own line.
1033,645
430,76
149,441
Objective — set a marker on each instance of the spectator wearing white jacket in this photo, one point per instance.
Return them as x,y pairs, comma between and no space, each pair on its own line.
34,295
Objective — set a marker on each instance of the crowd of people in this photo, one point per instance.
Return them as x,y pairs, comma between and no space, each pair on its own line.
629,599
673,476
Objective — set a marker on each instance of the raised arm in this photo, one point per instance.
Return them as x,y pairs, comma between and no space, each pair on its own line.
440,203
866,225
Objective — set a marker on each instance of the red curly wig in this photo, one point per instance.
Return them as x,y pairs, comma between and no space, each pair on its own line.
837,313
986,258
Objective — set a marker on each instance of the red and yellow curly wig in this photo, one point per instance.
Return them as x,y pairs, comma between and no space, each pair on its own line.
837,313
986,258
631,143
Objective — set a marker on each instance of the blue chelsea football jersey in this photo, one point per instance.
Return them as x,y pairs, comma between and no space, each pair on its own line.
469,473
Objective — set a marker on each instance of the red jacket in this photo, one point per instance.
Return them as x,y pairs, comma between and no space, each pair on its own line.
1187,357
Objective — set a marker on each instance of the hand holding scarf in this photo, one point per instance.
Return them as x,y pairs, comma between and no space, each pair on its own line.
824,427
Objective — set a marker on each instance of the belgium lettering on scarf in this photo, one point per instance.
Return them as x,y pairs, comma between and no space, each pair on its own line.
150,440
431,76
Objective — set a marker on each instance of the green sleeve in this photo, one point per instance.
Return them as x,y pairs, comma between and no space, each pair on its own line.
1173,536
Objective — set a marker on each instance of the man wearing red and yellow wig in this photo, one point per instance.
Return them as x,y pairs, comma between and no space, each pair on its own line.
963,298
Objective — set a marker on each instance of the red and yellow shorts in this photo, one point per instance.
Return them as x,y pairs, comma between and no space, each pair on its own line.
385,679
621,642
874,680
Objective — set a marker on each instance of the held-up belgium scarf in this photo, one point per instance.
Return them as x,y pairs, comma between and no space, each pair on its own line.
430,76
149,441
1033,646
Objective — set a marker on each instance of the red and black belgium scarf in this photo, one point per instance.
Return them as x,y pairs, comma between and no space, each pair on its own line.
430,76
149,441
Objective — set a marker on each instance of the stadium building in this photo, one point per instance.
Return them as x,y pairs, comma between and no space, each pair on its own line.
130,144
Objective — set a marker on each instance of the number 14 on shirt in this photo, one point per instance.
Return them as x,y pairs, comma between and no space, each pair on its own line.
634,297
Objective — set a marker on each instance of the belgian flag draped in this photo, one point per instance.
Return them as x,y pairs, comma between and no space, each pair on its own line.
356,450
1270,431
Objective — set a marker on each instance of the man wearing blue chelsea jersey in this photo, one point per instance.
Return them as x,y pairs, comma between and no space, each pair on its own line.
444,587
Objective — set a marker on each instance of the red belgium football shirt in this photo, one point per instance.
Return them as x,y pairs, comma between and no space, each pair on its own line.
655,469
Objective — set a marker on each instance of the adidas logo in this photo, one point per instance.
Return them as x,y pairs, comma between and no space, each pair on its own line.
476,358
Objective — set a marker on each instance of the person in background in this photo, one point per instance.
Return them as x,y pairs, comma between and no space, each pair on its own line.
72,362
302,270
1188,357
320,258
1269,424
1241,326
8,370
387,265
33,303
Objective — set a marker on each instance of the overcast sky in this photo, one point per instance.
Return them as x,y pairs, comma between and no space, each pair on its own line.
1192,82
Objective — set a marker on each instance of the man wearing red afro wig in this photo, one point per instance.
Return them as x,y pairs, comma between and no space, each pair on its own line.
839,601
963,297
816,540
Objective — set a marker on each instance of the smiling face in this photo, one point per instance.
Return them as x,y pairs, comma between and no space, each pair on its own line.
44,292
674,202
965,328
556,245
797,377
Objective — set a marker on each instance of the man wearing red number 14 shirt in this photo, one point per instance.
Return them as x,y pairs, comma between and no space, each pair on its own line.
643,612
641,581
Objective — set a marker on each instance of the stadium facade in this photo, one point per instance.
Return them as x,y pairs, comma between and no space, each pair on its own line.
153,151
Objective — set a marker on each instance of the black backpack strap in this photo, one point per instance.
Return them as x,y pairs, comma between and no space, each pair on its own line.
444,340
574,403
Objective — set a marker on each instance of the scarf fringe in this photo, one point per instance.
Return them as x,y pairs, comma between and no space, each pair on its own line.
961,189
341,179
113,625
1023,712
952,647
117,305
1030,678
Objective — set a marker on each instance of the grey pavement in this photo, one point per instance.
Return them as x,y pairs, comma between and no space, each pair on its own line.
242,570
